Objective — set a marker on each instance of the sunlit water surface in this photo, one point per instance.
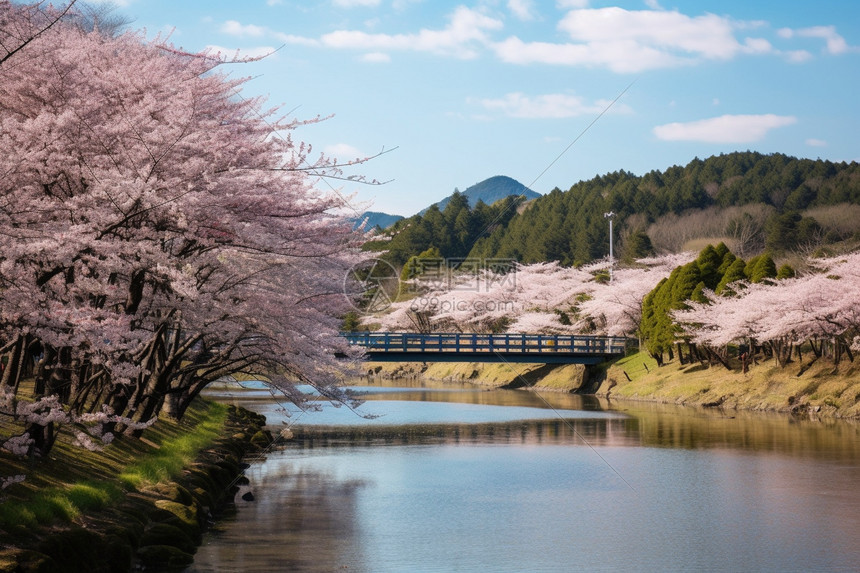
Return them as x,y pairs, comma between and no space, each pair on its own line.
457,478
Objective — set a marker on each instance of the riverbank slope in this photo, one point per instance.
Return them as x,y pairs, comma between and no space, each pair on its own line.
550,377
135,505
817,388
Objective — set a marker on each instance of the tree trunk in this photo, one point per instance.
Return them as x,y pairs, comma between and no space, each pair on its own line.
14,365
848,351
43,437
713,355
815,351
681,358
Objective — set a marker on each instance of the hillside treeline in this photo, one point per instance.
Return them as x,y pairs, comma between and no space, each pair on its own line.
452,231
752,201
767,196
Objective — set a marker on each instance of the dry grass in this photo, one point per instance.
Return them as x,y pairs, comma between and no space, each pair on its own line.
561,377
821,388
697,245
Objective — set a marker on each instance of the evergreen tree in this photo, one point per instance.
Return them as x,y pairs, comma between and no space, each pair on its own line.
734,272
760,268
785,272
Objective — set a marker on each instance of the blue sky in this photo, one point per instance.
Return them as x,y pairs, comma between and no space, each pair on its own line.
472,89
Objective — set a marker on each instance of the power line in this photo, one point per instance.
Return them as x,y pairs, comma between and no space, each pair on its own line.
560,155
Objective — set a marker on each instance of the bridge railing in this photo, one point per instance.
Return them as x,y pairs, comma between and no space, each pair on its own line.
457,342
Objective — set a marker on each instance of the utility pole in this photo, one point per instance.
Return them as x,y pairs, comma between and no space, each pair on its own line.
610,216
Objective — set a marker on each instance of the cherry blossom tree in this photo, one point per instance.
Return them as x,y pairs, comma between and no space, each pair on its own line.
160,231
615,308
484,300
819,308
21,24
537,298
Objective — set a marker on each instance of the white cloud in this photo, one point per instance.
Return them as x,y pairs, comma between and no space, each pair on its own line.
548,106
522,9
709,35
356,3
376,58
758,46
343,152
613,38
628,41
724,129
466,27
816,142
274,2
296,40
234,28
798,56
836,44
618,57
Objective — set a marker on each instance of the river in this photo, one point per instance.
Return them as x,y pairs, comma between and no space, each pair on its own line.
460,478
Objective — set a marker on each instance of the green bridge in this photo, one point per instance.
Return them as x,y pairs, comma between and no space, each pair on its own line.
461,347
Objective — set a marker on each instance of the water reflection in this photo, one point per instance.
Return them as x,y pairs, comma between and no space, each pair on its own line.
411,411
693,428
608,486
530,432
294,508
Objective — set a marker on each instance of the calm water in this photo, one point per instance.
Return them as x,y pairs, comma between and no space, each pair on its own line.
455,478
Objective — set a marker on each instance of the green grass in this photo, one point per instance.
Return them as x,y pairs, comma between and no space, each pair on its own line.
62,504
175,453
76,481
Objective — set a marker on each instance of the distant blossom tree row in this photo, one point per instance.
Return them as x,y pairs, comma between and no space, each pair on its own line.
542,297
819,310
158,231
699,306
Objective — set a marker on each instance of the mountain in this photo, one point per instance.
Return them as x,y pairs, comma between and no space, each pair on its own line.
376,218
491,190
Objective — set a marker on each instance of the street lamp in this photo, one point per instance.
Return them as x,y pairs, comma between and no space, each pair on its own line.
610,216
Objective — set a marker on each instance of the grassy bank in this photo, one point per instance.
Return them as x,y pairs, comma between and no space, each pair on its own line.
819,388
136,503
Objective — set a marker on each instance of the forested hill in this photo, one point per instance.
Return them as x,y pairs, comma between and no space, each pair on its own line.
372,219
753,201
449,233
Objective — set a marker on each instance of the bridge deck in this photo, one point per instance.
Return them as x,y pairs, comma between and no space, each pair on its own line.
461,347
